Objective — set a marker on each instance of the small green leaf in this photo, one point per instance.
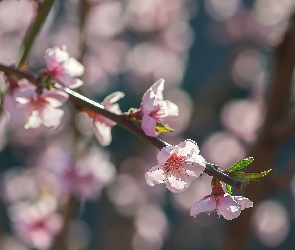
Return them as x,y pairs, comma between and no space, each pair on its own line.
245,178
163,128
228,188
240,164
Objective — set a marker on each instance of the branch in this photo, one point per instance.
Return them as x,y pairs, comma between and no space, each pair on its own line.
79,101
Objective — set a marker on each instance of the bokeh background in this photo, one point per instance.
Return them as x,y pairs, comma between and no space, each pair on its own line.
217,60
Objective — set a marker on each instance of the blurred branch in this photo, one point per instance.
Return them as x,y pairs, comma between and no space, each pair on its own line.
238,237
81,102
34,30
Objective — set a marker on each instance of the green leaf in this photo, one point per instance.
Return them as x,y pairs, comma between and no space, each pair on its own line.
163,128
228,188
34,30
240,164
245,178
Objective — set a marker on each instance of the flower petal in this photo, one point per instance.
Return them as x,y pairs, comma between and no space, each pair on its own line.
155,176
73,67
206,204
228,207
148,125
244,202
169,108
55,97
21,113
112,98
51,117
178,183
102,133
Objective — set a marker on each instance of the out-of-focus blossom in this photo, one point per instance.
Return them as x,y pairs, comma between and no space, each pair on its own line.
35,109
86,177
155,109
223,149
178,166
36,224
153,15
15,87
62,67
102,125
222,203
271,223
243,118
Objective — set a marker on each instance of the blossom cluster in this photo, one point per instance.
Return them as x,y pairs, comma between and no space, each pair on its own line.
36,104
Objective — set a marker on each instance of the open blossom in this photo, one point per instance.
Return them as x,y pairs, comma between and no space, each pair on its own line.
222,203
102,125
35,109
154,109
62,67
178,166
36,225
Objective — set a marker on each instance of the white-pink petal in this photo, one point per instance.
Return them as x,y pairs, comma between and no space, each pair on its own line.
244,202
148,125
206,204
228,207
51,117
155,176
73,67
55,97
102,133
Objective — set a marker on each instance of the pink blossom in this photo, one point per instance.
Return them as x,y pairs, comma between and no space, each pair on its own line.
102,125
83,178
155,109
178,166
36,224
35,109
222,203
62,67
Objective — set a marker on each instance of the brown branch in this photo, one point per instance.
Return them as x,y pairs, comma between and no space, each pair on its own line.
79,101
239,233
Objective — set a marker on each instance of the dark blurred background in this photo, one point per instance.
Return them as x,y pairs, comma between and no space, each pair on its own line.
217,59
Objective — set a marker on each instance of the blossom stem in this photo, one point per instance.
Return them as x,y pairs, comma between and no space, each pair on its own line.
81,102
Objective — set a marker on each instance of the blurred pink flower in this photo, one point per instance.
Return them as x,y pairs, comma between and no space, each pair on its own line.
36,224
35,109
178,166
222,203
15,87
84,178
155,109
102,125
62,67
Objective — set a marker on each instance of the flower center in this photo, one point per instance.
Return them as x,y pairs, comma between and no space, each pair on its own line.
174,164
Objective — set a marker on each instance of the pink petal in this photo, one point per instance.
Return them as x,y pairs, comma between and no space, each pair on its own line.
51,117
26,96
102,133
155,176
164,154
21,113
55,97
206,204
158,88
228,207
73,67
34,120
147,103
194,168
169,108
148,125
68,80
244,202
55,56
188,148
177,183
112,98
